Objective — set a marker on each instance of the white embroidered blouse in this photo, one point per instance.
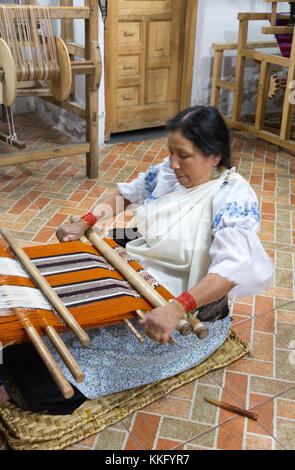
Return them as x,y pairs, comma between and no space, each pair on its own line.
236,251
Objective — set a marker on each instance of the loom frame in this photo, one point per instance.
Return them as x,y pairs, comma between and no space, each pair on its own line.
91,67
246,49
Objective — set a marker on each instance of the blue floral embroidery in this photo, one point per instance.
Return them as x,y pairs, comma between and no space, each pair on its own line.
150,198
150,179
236,211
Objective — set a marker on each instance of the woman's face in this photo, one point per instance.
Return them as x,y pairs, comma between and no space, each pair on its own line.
190,165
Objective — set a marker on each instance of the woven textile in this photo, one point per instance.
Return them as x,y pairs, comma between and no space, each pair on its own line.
32,431
284,40
87,284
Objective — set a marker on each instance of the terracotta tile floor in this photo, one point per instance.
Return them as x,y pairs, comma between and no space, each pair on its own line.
37,197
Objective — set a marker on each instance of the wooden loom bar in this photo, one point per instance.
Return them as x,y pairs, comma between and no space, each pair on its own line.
288,106
65,354
61,13
44,353
38,155
270,58
273,18
263,134
279,1
240,70
262,94
133,277
277,29
91,90
217,72
230,46
46,288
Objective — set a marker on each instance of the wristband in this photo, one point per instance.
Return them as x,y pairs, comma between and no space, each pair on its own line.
187,301
90,219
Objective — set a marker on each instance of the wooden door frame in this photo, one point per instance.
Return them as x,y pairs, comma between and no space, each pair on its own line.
190,22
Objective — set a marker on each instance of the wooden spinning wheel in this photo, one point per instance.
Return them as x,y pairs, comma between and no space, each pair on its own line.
60,87
30,47
9,78
43,65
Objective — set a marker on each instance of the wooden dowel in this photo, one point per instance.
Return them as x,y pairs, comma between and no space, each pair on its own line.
65,354
46,288
135,279
133,330
62,383
197,326
234,409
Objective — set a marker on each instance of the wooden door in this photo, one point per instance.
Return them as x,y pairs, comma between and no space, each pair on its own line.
144,59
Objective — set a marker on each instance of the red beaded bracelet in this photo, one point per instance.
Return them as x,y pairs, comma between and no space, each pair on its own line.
90,219
187,301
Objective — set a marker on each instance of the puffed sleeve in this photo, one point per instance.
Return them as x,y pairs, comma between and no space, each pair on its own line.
139,189
236,251
158,180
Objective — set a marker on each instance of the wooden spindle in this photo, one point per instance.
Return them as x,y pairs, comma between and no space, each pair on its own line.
62,383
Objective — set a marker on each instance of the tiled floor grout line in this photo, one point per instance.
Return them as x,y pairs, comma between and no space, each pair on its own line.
258,405
133,437
264,313
205,432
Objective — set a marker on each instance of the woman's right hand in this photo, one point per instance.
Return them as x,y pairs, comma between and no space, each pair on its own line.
71,232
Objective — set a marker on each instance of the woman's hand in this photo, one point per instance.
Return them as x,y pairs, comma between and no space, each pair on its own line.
162,321
71,232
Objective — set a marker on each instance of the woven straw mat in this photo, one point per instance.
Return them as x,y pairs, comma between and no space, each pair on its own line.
25,430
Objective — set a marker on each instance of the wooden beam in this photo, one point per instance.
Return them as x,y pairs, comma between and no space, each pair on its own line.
224,84
270,58
75,49
38,155
254,16
26,92
188,58
273,20
261,134
228,46
277,29
262,94
61,12
216,77
240,71
279,1
288,105
91,90
71,106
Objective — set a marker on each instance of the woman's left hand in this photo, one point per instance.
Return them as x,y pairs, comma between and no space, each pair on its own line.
162,321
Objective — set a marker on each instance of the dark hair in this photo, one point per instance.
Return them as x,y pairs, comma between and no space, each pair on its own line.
206,129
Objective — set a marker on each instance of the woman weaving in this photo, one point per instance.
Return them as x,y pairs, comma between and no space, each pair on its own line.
197,223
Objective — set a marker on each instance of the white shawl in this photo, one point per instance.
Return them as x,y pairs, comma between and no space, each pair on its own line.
176,234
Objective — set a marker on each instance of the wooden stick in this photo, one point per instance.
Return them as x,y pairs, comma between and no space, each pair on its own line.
234,409
46,288
135,279
65,354
134,330
62,383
